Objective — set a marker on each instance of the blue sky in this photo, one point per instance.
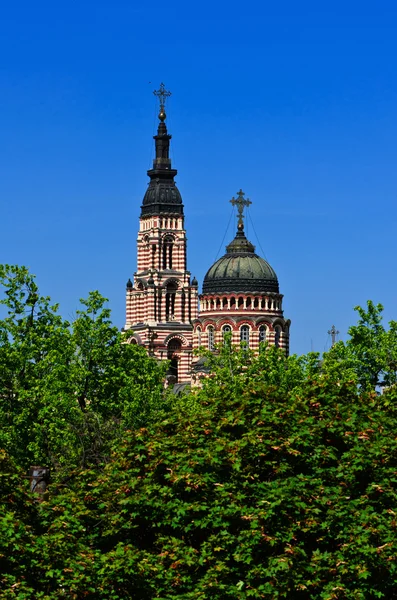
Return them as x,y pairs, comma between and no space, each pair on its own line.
296,103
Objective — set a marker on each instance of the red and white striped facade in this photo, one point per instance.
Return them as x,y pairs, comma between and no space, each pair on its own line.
161,302
230,313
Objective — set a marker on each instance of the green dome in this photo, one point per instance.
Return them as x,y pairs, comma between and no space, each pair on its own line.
240,270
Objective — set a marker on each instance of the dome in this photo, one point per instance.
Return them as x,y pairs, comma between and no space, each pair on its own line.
240,270
162,197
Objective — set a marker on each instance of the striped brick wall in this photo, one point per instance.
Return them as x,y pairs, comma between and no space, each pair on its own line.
162,303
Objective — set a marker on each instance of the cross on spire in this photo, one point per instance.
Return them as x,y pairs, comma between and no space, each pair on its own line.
333,333
240,202
162,94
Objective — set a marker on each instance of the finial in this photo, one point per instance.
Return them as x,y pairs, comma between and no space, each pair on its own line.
240,202
162,94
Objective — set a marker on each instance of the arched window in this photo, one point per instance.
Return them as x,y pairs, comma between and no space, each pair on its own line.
211,338
245,334
173,348
262,334
199,336
183,303
167,252
226,333
277,336
170,301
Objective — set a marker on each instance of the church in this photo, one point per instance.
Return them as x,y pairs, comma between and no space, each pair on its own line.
164,309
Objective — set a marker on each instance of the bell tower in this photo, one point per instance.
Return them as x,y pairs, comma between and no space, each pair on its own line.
161,300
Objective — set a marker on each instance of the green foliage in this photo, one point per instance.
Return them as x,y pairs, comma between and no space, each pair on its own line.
18,522
370,354
68,390
278,488
277,479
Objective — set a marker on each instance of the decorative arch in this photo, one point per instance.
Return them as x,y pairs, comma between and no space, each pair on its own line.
227,321
264,322
168,234
245,320
140,284
171,281
280,323
135,339
207,322
175,336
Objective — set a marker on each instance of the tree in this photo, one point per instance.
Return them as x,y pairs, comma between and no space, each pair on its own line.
277,479
68,389
371,352
280,486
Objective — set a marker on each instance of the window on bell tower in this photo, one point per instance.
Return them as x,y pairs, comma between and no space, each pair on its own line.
167,252
170,301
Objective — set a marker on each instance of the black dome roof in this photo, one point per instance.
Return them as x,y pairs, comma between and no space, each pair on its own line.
240,270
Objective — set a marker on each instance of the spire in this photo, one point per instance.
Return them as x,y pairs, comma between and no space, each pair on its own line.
162,195
162,139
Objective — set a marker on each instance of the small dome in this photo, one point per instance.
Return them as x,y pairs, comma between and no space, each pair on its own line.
240,270
162,196
194,282
129,284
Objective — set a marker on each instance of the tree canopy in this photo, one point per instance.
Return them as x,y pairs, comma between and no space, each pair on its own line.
68,389
276,479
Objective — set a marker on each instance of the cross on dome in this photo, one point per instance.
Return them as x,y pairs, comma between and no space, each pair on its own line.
240,202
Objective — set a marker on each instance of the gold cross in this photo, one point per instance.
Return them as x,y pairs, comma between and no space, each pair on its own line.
240,202
162,94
